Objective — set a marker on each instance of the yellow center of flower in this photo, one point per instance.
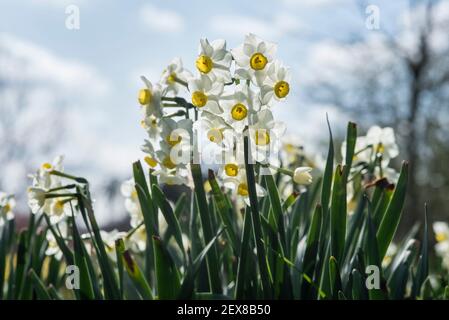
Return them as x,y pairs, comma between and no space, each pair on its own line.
242,189
150,161
239,112
47,166
215,135
440,237
281,89
168,163
199,99
380,148
173,141
231,169
262,137
144,96
59,207
204,64
7,207
258,61
171,79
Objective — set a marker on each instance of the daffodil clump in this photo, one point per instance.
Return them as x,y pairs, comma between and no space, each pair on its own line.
204,116
255,214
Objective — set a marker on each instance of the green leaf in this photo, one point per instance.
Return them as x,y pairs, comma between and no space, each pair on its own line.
335,280
359,291
245,253
329,169
212,256
224,210
267,289
39,287
86,289
276,209
423,262
351,138
187,287
338,214
392,216
312,244
167,277
169,216
134,272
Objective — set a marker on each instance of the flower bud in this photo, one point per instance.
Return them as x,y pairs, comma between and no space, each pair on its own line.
302,175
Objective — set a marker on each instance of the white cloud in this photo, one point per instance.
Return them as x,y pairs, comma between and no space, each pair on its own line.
239,25
26,62
58,3
312,4
161,20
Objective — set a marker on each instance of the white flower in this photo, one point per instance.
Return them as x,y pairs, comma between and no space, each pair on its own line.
239,185
239,107
43,177
53,247
7,204
152,125
36,198
276,84
173,74
252,57
206,94
175,132
441,230
265,135
377,141
150,98
132,204
214,60
137,241
302,176
215,129
58,209
109,241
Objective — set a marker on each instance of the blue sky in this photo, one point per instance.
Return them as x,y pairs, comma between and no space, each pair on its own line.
120,40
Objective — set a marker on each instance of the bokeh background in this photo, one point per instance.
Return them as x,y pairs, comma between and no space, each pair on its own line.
73,91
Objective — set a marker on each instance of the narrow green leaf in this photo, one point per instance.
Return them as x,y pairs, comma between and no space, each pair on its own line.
335,280
172,220
167,277
390,221
134,272
39,287
338,214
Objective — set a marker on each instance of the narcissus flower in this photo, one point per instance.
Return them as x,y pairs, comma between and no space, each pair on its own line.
7,204
265,135
239,185
132,204
441,230
378,141
276,84
302,176
252,57
214,60
150,98
205,94
174,75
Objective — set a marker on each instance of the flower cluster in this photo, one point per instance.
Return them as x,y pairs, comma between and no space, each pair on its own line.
204,117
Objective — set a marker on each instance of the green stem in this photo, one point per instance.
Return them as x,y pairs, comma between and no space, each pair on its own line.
212,256
258,236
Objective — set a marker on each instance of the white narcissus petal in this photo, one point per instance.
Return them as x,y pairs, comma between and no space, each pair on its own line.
218,44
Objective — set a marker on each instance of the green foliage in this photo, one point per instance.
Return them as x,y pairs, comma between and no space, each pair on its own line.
296,246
